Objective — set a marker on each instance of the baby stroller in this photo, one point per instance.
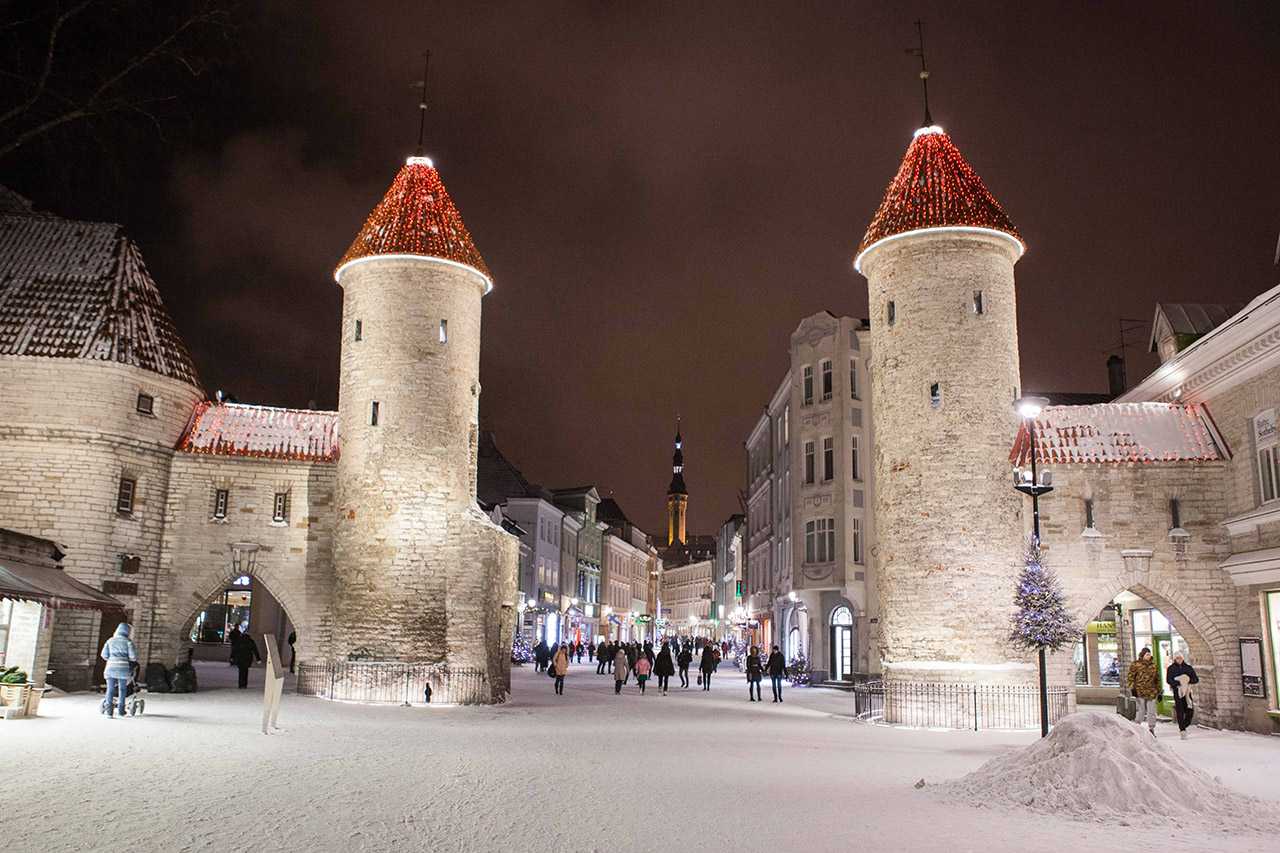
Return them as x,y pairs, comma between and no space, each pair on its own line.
135,696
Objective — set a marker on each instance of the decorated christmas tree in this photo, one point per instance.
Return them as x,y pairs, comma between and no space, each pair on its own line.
1041,620
521,651
798,671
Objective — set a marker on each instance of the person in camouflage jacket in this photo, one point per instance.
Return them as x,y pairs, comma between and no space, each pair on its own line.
1144,682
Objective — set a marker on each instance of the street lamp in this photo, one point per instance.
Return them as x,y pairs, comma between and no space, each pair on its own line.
1035,483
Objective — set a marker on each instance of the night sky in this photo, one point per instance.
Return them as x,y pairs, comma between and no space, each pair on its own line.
662,194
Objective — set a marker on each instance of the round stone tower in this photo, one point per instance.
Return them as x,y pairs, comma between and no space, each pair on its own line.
421,573
938,258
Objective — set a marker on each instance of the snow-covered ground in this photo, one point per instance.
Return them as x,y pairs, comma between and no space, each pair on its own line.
583,771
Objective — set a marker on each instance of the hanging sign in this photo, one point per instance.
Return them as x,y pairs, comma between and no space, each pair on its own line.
1264,425
1252,681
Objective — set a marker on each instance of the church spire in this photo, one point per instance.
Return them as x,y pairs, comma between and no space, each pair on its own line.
677,493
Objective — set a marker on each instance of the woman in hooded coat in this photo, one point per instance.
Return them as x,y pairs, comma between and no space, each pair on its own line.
664,667
120,655
619,670
560,666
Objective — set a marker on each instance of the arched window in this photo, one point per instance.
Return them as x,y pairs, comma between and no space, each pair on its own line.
842,616
793,643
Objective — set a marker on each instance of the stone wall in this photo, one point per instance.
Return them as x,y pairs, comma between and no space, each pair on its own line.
69,430
948,523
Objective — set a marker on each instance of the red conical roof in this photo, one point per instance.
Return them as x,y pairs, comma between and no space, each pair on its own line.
417,218
935,188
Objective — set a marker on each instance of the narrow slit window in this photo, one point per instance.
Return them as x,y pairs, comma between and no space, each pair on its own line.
220,500
935,395
373,413
280,509
1175,513
1088,512
891,312
444,331
124,495
978,307
359,330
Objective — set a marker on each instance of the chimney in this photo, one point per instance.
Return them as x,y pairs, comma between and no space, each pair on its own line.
1115,375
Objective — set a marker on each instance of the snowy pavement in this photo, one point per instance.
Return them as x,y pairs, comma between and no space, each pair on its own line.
583,771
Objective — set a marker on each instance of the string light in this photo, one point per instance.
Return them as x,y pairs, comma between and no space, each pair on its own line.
936,190
417,218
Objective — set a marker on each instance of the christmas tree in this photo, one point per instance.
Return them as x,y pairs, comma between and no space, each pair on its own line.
521,651
1041,620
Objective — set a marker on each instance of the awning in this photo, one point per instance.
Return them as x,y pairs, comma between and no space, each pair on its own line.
1250,567
52,587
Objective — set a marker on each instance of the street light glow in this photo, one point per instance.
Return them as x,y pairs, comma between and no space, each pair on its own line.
1030,407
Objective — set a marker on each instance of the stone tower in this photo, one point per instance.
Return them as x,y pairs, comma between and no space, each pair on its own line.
938,258
677,494
421,572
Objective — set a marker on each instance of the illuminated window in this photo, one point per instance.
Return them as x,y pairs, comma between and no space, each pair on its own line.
146,404
220,499
124,495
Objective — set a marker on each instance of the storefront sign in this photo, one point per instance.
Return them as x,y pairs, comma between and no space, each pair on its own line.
1264,425
1252,681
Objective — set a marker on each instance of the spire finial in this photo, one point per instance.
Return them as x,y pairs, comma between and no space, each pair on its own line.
924,71
422,102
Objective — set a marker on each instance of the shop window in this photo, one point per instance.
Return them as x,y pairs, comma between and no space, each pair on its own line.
125,492
280,508
1108,660
807,399
146,404
808,463
359,330
1273,630
827,380
1081,663
231,609
221,497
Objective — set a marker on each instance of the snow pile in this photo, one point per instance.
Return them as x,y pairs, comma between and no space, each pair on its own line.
1102,767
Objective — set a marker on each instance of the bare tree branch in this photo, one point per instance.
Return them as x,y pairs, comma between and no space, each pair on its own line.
48,62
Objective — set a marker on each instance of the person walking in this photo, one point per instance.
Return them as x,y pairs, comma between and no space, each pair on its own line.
648,652
293,652
601,651
233,639
755,673
246,653
120,655
664,667
540,656
643,668
581,649
560,666
591,653
707,665
683,659
619,671
1144,683
1180,676
777,666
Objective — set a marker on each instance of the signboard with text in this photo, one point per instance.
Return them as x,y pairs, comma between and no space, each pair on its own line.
1252,680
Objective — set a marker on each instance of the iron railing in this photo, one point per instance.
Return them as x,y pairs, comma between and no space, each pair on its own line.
394,682
955,706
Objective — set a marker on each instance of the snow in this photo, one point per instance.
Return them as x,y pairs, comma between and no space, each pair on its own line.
1101,767
586,771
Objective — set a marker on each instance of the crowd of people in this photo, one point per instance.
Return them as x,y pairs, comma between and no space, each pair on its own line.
674,657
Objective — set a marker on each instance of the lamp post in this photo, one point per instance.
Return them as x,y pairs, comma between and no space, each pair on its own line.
1029,408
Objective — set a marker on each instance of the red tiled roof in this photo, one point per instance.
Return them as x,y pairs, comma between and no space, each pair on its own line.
72,289
261,432
1121,432
416,217
935,188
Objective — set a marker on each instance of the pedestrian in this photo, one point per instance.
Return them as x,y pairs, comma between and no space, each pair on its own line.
1180,676
1144,683
683,659
648,652
293,652
755,672
631,655
591,652
643,668
602,651
233,639
707,665
619,671
777,666
246,654
664,667
120,655
560,665
581,648
540,656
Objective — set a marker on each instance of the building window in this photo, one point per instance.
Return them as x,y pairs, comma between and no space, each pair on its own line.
444,331
146,404
220,499
786,425
891,313
1088,512
855,469
280,507
124,495
826,379
853,379
373,413
808,385
820,540
808,463
855,533
935,395
1264,437
359,330
978,307
828,459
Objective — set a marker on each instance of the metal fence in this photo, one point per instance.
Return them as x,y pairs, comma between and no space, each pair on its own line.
394,682
955,706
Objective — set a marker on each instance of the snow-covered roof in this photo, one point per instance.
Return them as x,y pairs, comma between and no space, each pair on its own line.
1121,432
261,432
72,289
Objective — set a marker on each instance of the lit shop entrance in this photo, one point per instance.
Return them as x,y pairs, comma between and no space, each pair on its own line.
1113,640
245,603
842,644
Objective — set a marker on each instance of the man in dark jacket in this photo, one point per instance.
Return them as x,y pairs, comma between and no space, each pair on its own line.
707,665
683,659
1183,708
602,652
541,656
245,654
777,666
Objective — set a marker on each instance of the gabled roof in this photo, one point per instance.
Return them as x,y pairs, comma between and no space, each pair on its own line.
935,188
1121,433
417,218
261,432
496,477
1191,318
73,289
609,511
